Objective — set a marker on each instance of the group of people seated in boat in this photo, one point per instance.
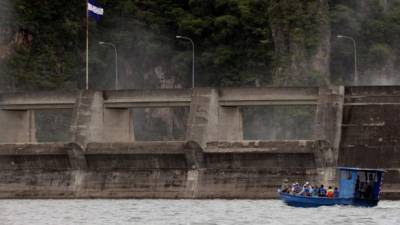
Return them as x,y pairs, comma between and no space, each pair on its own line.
308,190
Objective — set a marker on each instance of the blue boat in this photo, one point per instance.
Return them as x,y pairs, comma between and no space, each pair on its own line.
357,186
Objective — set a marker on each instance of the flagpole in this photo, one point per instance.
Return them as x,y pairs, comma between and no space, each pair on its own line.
87,46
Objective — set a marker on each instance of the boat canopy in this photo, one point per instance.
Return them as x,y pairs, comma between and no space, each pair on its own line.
360,169
360,183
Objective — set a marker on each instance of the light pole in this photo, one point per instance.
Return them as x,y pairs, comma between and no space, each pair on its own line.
355,56
116,60
191,41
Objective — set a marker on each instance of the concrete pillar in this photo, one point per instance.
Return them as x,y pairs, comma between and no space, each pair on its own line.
329,115
194,155
230,124
328,127
118,125
92,122
202,126
87,118
76,157
18,126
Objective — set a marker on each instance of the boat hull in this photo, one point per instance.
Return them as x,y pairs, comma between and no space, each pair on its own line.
305,201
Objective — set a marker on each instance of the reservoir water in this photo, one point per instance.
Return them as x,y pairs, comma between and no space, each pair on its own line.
188,212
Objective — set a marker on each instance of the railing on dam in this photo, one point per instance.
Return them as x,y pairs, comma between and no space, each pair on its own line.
161,98
38,100
268,96
214,114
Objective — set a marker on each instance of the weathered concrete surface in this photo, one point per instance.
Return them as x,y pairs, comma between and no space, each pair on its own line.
370,133
87,120
17,126
328,127
38,100
268,96
230,124
118,125
162,98
354,127
104,116
147,98
202,125
152,170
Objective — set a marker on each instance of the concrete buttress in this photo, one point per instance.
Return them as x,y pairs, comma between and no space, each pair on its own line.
328,127
87,119
202,126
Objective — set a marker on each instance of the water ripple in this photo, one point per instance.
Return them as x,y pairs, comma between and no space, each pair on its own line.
189,212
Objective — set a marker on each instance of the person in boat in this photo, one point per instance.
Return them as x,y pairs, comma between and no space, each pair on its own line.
297,188
315,191
369,187
330,192
306,190
336,193
322,191
285,187
311,189
357,187
292,188
362,189
303,191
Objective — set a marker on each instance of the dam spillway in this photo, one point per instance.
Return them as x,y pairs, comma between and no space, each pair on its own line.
102,159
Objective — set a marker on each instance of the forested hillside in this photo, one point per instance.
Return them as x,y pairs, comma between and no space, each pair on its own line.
238,43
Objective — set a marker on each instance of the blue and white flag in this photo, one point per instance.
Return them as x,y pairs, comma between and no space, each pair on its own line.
95,10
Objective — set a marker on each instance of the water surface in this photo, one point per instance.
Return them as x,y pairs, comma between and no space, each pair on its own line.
190,212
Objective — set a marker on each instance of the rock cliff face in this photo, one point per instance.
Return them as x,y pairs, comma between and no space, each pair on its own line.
380,68
4,37
301,35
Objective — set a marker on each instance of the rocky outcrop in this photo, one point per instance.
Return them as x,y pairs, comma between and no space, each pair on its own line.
301,35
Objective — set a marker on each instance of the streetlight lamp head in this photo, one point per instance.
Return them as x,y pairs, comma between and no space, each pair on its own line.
101,42
178,36
339,36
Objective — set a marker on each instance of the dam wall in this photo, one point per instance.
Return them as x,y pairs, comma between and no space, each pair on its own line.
154,170
370,133
353,126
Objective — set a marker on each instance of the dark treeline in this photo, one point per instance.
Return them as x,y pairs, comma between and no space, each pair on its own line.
238,43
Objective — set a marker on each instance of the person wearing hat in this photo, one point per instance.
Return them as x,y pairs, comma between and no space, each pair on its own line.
306,189
297,188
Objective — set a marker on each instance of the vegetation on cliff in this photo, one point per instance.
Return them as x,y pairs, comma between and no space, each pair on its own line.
238,42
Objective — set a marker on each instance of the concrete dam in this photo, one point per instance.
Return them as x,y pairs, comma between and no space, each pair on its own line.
101,158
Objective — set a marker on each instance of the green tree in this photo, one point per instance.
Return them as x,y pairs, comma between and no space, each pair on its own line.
48,44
